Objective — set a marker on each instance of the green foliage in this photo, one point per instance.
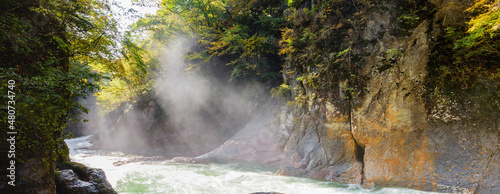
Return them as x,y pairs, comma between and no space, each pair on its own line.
409,19
468,54
410,13
132,81
46,49
294,3
301,99
239,34
282,92
196,12
236,40
316,45
247,52
43,103
483,31
69,136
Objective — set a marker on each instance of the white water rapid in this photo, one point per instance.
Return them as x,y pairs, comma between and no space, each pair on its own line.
138,174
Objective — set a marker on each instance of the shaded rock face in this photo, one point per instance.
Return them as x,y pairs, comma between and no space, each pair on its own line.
318,144
76,178
297,143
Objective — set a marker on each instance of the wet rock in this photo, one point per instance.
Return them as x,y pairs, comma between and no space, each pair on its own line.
289,170
76,178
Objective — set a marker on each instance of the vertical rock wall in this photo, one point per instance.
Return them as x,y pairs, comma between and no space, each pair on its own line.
392,133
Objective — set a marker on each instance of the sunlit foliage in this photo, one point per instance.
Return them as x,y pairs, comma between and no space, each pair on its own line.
473,50
46,48
483,29
241,34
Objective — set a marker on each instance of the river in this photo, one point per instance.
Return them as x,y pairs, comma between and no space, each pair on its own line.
138,174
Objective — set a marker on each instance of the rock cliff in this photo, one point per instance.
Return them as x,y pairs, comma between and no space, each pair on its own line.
390,126
394,133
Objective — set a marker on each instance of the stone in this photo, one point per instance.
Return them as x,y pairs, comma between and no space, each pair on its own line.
77,178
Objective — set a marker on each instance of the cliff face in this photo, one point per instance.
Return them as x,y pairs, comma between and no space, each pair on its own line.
390,126
393,132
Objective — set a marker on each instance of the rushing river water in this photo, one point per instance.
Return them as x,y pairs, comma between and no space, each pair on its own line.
137,174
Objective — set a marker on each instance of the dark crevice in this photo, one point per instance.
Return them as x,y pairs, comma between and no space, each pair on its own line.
360,153
360,156
359,150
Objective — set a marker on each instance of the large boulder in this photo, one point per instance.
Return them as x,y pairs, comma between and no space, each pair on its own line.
73,177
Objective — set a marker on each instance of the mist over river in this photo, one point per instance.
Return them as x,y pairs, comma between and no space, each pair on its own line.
139,174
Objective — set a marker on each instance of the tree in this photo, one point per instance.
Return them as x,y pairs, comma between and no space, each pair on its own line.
483,29
46,50
243,37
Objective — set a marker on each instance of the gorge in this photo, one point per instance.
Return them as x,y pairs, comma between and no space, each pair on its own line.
387,124
342,95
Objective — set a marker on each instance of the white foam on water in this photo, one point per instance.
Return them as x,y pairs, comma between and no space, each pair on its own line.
141,176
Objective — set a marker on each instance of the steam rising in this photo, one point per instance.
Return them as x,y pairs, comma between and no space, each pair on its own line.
206,111
186,93
191,112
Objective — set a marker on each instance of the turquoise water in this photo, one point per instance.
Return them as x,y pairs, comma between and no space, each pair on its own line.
137,174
